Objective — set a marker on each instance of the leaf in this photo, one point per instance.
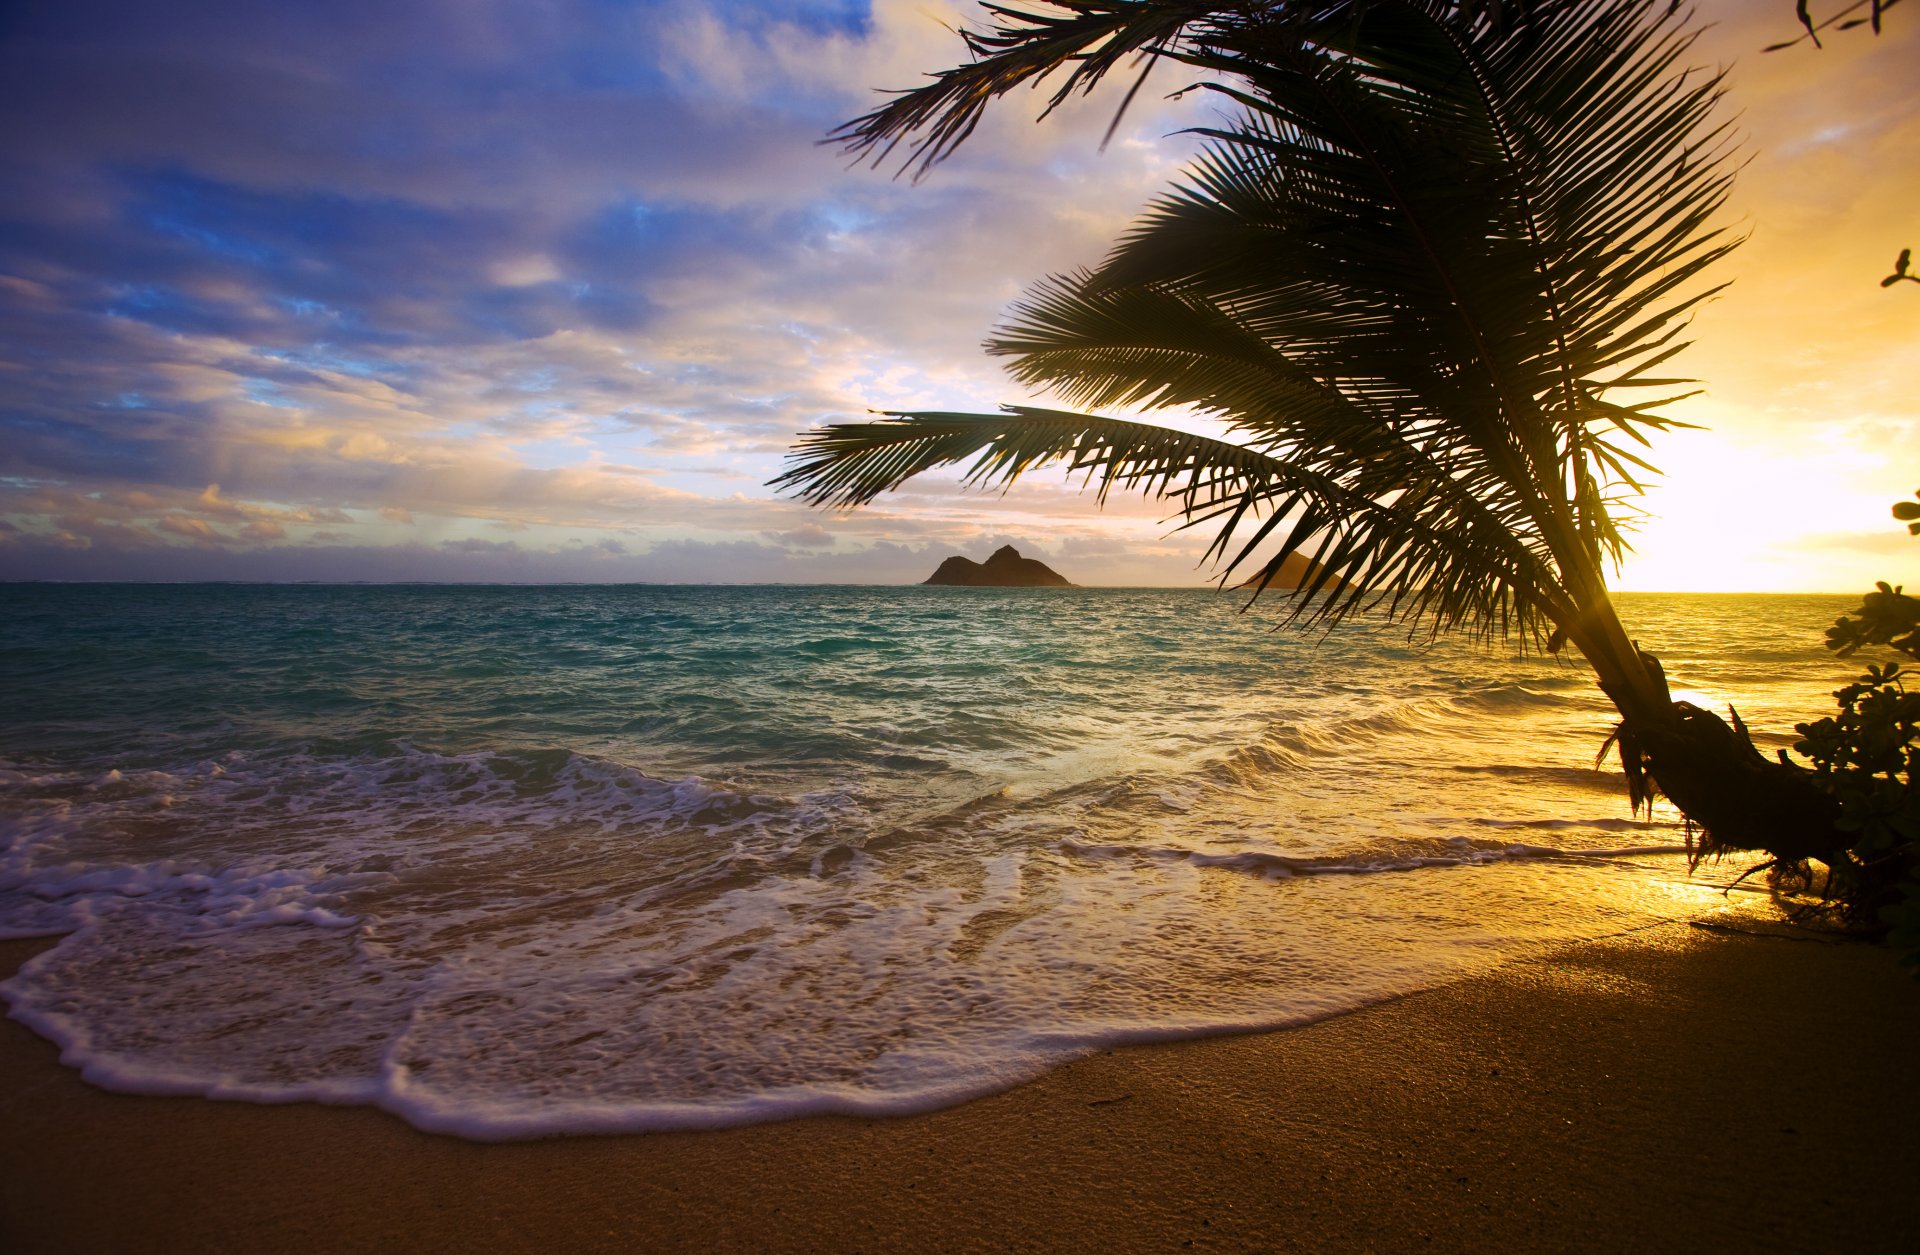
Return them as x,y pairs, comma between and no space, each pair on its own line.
1806,20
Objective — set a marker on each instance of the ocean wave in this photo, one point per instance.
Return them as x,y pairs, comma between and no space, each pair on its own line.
1421,728
512,862
213,829
1592,779
1614,823
857,985
1529,696
1447,853
834,646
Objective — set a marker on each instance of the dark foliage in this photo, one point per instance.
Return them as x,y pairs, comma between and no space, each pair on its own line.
1867,755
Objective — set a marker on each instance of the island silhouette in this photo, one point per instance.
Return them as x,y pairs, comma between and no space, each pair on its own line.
1005,569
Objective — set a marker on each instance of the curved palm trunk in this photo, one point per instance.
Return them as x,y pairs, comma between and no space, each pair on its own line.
1711,770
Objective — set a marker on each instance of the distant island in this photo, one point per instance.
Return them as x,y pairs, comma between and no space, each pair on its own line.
1005,569
1294,572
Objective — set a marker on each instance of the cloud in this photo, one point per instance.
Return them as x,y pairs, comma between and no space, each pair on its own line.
283,288
550,266
806,536
546,251
196,530
500,548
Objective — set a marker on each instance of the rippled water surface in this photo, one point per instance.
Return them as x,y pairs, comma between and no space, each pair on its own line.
510,861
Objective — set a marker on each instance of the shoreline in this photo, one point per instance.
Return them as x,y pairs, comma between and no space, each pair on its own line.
1672,1089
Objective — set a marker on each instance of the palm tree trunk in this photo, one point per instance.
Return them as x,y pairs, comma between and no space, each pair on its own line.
1737,797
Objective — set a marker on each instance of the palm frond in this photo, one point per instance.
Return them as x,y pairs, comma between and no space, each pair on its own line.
1410,554
1405,276
1085,39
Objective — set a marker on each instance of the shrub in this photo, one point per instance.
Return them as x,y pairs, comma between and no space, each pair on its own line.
1867,754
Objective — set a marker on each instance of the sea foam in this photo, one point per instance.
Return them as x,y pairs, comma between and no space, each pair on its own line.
512,863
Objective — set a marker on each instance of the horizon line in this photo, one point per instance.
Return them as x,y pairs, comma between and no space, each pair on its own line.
433,583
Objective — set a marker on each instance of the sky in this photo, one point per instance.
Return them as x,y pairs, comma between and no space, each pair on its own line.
543,290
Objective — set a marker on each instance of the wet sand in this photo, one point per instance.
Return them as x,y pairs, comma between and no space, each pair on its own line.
1677,1089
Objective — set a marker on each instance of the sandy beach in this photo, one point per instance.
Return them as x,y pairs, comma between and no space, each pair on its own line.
1676,1089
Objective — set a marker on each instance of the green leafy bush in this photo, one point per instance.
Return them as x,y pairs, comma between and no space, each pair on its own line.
1867,754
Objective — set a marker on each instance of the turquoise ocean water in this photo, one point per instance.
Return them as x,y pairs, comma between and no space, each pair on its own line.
509,861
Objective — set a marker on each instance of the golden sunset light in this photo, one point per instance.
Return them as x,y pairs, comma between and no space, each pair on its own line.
919,626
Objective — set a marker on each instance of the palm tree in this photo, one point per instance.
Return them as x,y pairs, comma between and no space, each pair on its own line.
1412,277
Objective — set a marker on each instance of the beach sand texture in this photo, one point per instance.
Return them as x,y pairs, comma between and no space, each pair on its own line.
1675,1089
